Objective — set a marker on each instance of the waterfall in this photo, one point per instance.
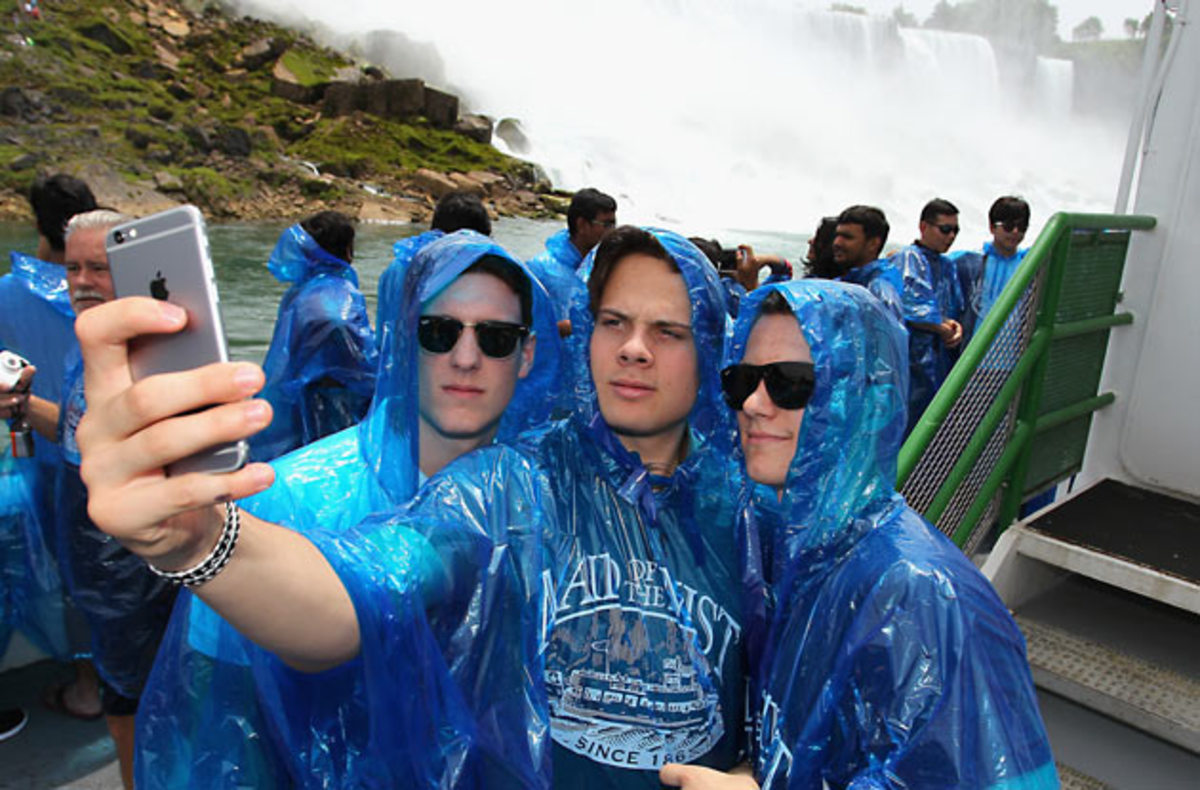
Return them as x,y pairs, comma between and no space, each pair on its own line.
1054,80
706,115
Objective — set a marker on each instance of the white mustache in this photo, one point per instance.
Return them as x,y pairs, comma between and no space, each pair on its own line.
86,293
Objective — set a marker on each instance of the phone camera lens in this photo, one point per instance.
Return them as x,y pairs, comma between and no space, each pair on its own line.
118,236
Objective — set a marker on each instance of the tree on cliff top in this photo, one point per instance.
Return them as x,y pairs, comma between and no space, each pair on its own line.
1031,21
1089,29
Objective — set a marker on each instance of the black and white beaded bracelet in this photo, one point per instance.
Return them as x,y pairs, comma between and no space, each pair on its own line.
217,559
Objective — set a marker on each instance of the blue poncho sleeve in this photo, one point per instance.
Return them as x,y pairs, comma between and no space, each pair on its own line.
931,295
446,691
919,289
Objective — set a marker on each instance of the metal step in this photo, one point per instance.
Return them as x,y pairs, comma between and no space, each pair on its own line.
1158,701
1070,779
1026,562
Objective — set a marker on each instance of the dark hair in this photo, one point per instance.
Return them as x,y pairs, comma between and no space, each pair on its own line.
775,303
55,199
621,243
935,207
872,220
332,230
822,264
710,247
460,209
586,204
1009,209
512,276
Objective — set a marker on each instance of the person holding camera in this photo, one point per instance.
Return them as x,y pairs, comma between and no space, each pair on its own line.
126,606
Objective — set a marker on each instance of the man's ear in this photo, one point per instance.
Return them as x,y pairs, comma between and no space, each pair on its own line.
527,350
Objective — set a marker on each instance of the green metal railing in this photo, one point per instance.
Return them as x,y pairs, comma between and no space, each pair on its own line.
1073,270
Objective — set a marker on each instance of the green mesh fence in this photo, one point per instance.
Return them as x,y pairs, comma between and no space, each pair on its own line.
1014,414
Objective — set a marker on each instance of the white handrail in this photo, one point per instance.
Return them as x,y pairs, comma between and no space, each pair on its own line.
1137,124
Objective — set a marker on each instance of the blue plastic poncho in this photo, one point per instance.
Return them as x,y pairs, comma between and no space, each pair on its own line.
390,282
36,319
891,662
930,295
31,592
556,267
882,279
36,322
982,277
644,662
126,606
447,690
204,721
320,367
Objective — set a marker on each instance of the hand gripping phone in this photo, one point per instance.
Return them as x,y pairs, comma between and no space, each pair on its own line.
165,256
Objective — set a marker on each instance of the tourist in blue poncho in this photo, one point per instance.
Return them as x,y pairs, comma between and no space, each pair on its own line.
37,323
124,604
890,662
320,366
932,302
983,274
647,558
590,216
859,237
31,594
220,713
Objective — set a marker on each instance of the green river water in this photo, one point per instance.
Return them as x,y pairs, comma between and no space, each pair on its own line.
250,295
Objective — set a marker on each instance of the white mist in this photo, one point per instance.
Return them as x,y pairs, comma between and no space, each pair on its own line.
706,115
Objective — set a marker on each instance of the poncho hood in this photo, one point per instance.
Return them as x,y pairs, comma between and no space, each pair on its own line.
844,470
388,435
297,257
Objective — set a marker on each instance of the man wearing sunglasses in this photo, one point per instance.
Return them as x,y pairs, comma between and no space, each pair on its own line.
983,274
932,301
889,659
471,328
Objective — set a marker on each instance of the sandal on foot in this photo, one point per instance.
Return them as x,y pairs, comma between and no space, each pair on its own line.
55,699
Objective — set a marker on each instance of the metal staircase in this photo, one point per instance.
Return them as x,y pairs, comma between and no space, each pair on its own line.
1105,585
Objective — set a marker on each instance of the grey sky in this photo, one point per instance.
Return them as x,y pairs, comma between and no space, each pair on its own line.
1112,13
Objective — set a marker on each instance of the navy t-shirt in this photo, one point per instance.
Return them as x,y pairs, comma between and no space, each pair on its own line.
644,653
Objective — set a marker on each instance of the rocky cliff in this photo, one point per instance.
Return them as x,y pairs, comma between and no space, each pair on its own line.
157,102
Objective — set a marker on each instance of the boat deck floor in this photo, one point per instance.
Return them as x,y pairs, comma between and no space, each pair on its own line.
1143,527
53,750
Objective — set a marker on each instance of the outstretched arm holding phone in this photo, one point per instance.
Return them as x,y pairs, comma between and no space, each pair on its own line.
277,588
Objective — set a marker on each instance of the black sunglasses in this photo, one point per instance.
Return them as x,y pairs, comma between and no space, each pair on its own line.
947,229
790,384
1011,227
437,334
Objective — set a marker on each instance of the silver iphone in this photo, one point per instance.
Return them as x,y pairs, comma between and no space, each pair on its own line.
165,256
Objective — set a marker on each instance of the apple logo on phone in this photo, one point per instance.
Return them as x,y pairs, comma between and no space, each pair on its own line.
158,287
